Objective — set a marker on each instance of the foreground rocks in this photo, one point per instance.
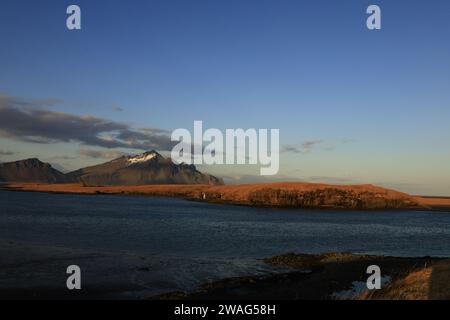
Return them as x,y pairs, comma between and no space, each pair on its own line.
325,276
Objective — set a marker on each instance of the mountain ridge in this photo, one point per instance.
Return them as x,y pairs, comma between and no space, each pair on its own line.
147,168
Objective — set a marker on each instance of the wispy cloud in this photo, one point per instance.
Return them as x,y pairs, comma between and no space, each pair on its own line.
29,121
304,147
6,153
100,154
254,178
347,140
325,179
65,157
117,109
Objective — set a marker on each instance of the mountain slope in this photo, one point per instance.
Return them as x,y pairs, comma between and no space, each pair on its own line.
147,168
30,170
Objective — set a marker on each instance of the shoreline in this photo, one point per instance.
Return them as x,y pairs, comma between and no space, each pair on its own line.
272,195
331,276
325,276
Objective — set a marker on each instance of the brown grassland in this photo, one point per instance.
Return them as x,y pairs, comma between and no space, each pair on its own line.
306,195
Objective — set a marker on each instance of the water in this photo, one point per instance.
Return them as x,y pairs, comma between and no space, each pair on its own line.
185,243
185,228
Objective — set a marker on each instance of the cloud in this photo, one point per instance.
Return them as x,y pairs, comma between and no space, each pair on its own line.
59,167
6,153
5,100
325,179
64,158
305,147
290,148
116,109
347,140
249,178
101,154
29,121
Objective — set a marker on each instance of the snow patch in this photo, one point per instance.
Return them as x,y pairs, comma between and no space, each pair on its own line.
141,158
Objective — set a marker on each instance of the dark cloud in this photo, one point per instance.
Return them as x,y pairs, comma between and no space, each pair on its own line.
29,121
305,147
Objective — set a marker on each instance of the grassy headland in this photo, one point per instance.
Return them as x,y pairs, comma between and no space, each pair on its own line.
295,195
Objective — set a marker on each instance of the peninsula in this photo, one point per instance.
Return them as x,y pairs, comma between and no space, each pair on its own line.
289,195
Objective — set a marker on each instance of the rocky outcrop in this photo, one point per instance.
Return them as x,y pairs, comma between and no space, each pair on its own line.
332,197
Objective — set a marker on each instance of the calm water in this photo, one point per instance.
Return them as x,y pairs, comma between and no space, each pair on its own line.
205,241
179,227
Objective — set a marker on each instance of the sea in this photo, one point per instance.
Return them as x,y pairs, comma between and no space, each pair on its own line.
135,247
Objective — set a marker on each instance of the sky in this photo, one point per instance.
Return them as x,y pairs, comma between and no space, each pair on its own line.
353,105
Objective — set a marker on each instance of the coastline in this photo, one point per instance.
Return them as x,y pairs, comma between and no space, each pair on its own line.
29,274
332,276
299,276
280,195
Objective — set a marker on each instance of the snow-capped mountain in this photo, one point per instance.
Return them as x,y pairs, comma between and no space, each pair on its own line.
147,168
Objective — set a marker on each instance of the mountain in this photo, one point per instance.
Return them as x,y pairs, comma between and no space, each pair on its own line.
30,170
147,168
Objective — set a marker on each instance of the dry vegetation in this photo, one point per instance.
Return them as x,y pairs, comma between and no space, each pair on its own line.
299,195
324,276
429,283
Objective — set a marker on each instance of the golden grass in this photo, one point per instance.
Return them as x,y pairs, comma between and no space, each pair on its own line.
229,193
434,202
313,195
430,283
234,192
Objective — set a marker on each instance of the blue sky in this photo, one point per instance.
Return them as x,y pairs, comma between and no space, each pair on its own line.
358,106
